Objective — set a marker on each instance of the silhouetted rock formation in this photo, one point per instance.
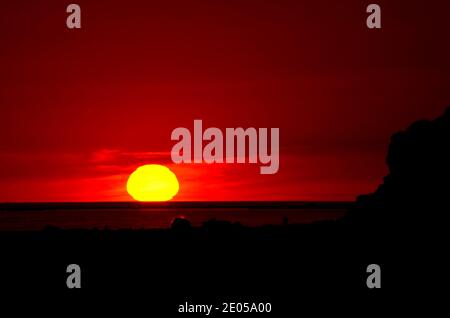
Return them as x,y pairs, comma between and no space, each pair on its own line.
416,190
181,224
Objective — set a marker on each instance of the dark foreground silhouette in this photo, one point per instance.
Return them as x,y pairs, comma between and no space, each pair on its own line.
401,227
416,191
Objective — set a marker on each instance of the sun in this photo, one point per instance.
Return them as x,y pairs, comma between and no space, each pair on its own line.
152,183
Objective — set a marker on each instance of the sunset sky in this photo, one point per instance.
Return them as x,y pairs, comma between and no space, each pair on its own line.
81,109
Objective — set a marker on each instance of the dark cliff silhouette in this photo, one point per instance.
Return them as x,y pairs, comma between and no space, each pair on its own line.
416,190
404,222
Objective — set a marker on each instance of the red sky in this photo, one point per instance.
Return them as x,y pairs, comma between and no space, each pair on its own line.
81,109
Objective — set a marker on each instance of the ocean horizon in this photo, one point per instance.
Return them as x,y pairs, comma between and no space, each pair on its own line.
159,215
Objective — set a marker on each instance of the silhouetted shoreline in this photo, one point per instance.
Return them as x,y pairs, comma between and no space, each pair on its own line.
135,215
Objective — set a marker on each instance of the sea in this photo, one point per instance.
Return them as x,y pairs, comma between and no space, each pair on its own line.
156,215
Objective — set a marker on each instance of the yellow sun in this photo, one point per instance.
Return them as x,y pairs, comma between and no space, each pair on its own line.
152,183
